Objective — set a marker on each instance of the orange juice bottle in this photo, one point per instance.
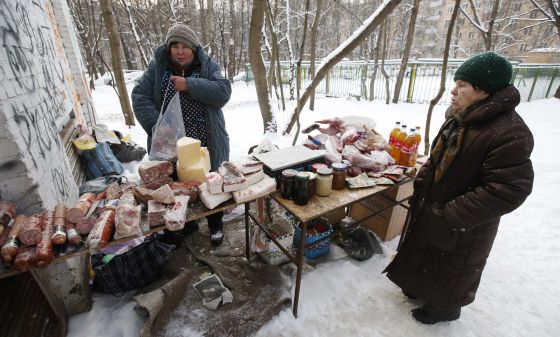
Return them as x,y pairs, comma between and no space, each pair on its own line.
395,153
407,148
393,135
416,146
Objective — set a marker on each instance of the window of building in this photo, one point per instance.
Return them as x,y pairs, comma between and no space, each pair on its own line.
516,7
471,35
528,30
447,23
450,9
522,47
460,35
461,21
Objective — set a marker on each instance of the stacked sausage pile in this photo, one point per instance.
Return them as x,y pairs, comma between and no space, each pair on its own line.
29,240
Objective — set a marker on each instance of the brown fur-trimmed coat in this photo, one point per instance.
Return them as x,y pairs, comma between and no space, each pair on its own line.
453,223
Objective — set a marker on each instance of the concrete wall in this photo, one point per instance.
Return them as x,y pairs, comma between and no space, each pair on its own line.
42,90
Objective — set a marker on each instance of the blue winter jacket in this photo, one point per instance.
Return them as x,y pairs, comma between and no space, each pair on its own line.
211,89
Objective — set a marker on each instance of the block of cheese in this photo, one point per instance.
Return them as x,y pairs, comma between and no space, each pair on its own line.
188,151
205,158
196,172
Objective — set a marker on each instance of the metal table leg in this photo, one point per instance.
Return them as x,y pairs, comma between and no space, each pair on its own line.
299,265
247,234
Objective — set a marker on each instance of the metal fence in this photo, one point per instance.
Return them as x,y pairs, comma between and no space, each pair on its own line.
421,81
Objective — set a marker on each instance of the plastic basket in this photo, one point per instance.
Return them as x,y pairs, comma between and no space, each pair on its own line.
273,255
318,250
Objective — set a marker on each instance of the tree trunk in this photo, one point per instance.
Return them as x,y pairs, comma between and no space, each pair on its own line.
313,56
291,57
406,52
383,56
242,44
211,28
274,36
257,64
109,19
488,40
202,16
299,77
375,64
137,39
231,49
557,94
124,45
436,99
343,50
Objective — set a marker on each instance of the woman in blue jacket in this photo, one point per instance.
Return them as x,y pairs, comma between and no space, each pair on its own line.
181,65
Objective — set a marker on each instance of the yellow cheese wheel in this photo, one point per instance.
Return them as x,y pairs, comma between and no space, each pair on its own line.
195,172
188,151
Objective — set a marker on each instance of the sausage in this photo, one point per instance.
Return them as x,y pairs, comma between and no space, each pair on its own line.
76,213
59,225
7,213
73,237
10,248
102,230
44,252
24,259
30,231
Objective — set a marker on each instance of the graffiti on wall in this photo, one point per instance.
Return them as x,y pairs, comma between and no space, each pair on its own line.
37,94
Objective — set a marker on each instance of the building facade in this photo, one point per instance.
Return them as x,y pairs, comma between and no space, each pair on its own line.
43,96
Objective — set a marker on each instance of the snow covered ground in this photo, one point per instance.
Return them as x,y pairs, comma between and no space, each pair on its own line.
520,290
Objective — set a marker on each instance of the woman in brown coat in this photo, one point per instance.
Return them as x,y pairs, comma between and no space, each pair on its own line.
479,169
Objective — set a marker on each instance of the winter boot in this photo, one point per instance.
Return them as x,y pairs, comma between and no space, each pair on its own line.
428,314
216,226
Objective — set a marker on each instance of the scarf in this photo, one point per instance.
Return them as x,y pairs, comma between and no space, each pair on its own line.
447,145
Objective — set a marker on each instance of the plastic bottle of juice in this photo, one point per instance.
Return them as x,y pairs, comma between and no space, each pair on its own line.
407,148
395,153
416,146
393,135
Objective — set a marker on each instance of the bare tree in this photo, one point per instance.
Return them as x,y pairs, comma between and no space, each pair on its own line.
275,70
137,38
313,52
385,37
344,49
436,99
257,64
554,16
476,22
406,52
109,19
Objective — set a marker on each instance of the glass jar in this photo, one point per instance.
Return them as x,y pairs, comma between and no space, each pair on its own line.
317,166
311,185
287,183
339,176
300,195
323,184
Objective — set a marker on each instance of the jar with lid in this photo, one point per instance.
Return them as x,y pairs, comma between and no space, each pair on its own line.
287,183
311,184
339,176
317,166
300,195
323,184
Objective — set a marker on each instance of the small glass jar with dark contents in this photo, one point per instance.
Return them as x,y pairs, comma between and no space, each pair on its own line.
287,183
311,185
301,196
339,176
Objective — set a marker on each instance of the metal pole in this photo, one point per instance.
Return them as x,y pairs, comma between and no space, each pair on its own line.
299,260
551,81
247,236
411,83
534,83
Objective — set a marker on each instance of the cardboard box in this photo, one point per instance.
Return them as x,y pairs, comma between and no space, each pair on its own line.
388,223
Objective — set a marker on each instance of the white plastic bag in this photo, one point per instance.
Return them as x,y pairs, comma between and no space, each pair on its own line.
167,131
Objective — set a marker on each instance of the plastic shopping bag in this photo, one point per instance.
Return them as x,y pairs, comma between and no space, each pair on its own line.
168,129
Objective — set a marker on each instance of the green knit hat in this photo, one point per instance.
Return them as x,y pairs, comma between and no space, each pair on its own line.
487,71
